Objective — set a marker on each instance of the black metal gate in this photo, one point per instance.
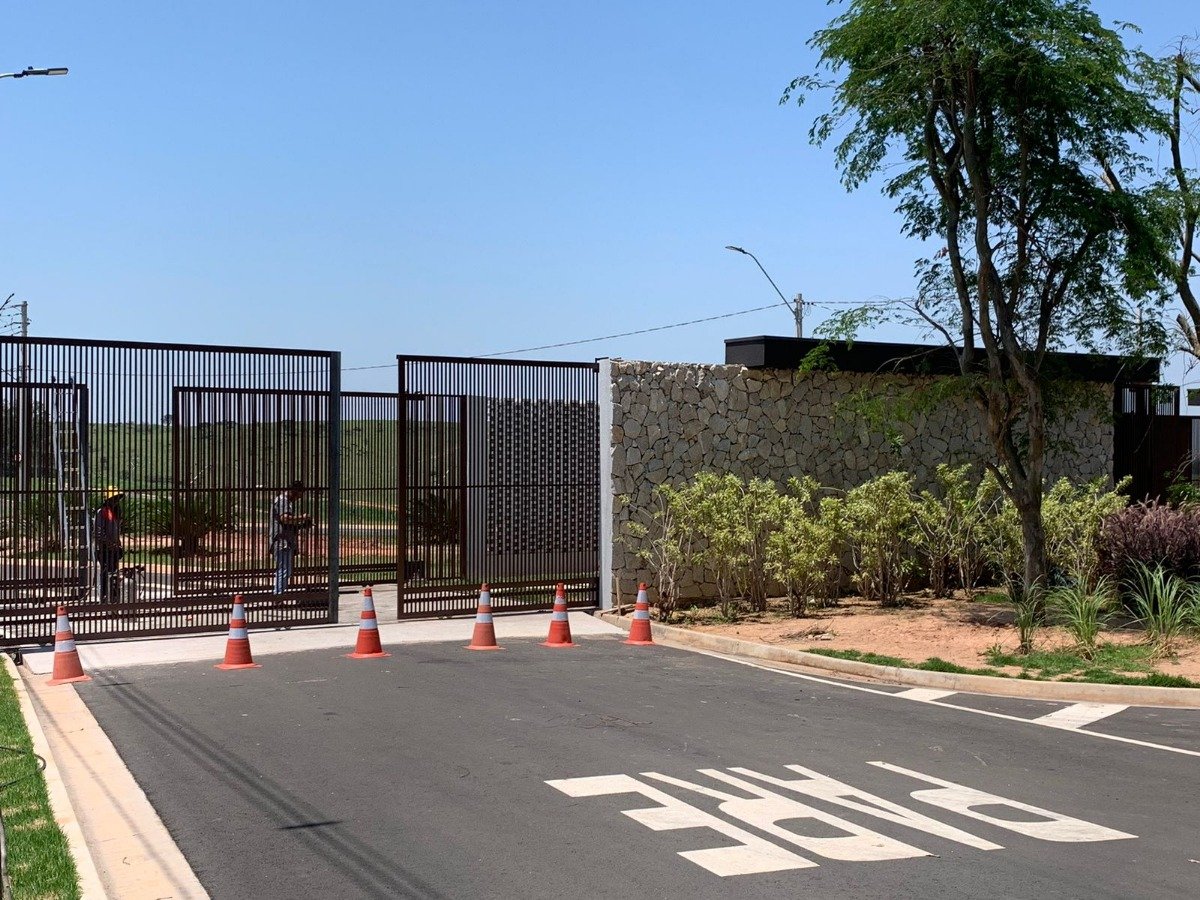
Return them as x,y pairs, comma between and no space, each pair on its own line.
197,439
1152,443
499,484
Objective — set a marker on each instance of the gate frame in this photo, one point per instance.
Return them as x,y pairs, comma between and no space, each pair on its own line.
461,598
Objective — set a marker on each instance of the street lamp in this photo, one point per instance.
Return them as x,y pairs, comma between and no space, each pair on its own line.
22,437
62,70
797,308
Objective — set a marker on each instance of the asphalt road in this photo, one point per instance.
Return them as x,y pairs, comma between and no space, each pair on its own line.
443,773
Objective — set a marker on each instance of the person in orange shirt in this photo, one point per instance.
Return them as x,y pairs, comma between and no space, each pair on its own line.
106,533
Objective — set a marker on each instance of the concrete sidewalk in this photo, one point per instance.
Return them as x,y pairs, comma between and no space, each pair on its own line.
121,847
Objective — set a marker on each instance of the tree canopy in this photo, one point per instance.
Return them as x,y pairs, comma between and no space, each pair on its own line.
1008,132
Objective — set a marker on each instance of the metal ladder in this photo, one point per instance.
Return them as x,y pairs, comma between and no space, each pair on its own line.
70,462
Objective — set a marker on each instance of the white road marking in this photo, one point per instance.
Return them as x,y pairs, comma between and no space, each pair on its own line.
750,856
1079,714
822,787
766,809
1051,826
979,712
924,694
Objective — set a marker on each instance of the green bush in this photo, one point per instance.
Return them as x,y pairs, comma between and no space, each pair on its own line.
803,552
879,518
1072,518
199,515
950,529
668,542
1166,605
733,520
1083,611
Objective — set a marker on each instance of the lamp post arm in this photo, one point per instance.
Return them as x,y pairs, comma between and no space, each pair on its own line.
58,70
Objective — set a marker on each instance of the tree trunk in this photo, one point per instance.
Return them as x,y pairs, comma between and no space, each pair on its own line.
1028,499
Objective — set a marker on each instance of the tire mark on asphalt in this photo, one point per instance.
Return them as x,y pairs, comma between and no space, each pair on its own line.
341,852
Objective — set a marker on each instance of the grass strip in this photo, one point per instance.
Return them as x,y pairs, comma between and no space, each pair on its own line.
40,865
933,664
1040,666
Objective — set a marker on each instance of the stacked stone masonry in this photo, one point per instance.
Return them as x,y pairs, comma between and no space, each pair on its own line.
671,421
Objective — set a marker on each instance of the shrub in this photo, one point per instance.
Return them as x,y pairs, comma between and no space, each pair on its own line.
1072,517
668,543
802,554
1083,612
1027,616
733,519
949,531
1149,535
880,524
1000,538
199,515
436,518
1165,605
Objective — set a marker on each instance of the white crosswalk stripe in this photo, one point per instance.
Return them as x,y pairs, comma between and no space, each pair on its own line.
925,694
1079,714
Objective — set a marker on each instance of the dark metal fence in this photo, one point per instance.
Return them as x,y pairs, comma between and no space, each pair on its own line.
485,472
500,483
199,440
1152,443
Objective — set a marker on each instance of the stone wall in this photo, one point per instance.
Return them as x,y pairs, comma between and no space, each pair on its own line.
671,421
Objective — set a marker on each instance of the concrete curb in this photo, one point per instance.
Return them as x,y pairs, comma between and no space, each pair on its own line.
1066,692
90,885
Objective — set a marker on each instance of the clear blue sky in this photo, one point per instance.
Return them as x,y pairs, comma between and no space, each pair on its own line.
450,177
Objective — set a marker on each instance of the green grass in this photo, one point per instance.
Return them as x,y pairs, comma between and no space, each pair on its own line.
1112,665
39,861
990,597
933,664
874,659
1154,679
1108,658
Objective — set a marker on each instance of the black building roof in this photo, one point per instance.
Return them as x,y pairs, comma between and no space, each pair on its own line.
767,352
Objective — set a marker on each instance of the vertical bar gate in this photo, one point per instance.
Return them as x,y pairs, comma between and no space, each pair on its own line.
499,484
198,439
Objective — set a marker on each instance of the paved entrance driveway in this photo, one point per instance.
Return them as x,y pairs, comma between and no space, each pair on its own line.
614,771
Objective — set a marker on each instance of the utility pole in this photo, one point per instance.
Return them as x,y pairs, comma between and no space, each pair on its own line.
23,406
796,308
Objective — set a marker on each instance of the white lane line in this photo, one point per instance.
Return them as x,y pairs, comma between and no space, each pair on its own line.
1079,714
924,694
979,712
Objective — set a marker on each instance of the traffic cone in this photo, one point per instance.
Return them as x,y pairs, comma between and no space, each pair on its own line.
237,648
484,636
639,629
367,646
67,668
560,626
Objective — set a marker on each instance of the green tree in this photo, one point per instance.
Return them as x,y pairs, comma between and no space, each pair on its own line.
1174,82
1007,129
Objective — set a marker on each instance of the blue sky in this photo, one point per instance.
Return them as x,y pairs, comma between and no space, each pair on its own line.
451,178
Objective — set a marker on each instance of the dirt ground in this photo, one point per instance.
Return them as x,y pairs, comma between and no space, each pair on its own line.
959,631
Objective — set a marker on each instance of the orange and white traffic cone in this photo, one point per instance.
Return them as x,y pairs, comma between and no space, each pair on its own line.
560,625
237,648
639,628
484,636
67,668
367,646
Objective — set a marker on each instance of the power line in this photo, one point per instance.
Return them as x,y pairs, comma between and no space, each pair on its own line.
609,337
